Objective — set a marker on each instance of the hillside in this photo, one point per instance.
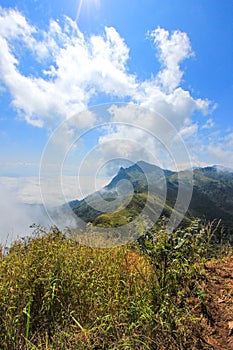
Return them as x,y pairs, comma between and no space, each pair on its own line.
159,293
126,194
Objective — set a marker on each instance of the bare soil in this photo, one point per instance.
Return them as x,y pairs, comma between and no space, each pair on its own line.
216,322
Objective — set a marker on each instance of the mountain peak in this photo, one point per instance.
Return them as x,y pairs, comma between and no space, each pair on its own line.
147,167
140,174
212,194
121,175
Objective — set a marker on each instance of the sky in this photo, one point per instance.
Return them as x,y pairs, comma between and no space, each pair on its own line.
89,85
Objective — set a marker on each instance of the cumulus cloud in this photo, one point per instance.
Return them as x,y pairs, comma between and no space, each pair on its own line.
78,67
138,133
70,69
73,68
135,133
172,50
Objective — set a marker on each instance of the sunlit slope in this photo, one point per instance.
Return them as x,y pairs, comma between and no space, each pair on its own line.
147,189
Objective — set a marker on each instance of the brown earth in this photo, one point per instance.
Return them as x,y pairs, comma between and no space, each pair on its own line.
216,322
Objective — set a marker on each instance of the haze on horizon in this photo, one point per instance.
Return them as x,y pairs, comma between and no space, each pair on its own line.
57,61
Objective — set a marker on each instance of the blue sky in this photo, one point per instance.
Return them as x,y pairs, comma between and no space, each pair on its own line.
59,58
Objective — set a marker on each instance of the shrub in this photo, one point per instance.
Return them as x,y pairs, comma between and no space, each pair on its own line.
58,294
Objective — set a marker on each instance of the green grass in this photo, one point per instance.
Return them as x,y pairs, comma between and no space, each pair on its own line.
58,294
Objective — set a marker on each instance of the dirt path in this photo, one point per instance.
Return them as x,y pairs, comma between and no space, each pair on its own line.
217,309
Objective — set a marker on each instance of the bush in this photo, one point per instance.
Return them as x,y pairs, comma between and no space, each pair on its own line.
58,294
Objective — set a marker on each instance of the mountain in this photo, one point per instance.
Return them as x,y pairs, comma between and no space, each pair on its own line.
146,184
213,195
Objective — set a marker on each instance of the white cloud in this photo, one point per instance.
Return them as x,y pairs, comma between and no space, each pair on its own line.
172,50
229,140
220,154
80,66
74,68
14,25
137,133
212,149
26,189
16,217
222,150
188,131
209,124
177,106
57,191
71,69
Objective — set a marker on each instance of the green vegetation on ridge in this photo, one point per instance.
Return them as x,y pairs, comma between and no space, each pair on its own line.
58,294
212,196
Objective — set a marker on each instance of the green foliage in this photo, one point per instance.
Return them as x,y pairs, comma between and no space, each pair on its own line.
212,196
58,294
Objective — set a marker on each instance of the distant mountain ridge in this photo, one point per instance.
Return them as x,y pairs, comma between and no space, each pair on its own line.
212,196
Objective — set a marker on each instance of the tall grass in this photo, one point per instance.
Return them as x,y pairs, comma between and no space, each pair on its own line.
58,294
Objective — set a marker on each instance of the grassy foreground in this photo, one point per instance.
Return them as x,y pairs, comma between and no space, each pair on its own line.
58,294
